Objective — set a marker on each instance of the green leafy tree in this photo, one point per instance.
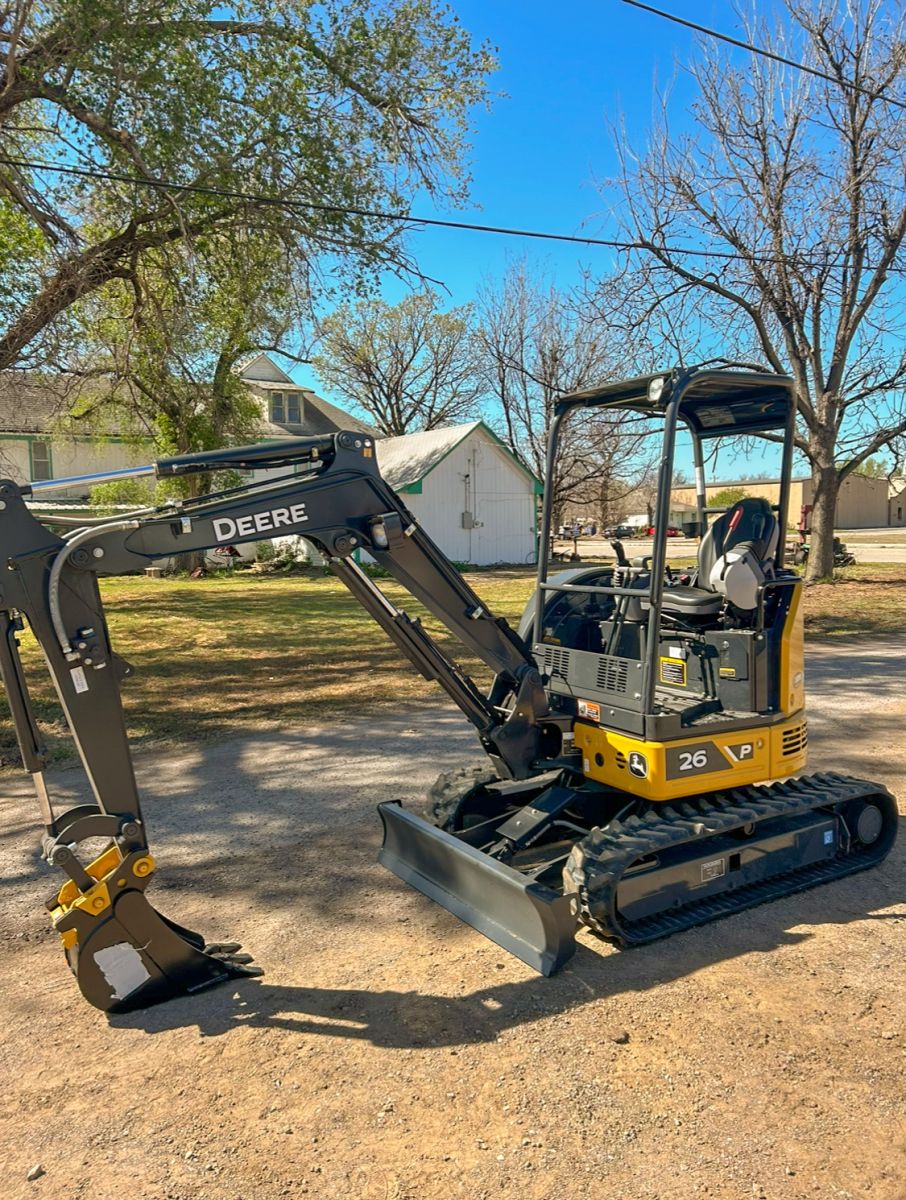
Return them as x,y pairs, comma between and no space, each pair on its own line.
873,468
727,497
319,108
170,340
409,366
171,354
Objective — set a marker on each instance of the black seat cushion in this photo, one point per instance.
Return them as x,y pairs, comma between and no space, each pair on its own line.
691,601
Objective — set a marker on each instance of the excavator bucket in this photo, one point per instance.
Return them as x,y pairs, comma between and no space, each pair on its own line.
124,954
525,917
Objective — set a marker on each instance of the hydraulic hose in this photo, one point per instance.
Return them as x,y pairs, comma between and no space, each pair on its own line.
59,563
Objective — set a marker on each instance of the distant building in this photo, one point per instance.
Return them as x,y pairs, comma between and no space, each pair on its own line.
896,500
469,492
863,502
288,410
40,440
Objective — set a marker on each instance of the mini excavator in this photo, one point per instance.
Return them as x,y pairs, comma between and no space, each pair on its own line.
644,730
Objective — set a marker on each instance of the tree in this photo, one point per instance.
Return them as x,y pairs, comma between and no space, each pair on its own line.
166,347
409,366
536,343
874,468
329,112
791,198
727,497
169,342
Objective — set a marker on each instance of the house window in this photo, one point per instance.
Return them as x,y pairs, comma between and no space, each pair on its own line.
40,461
286,408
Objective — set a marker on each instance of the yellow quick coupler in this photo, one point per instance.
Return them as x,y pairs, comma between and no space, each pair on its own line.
113,874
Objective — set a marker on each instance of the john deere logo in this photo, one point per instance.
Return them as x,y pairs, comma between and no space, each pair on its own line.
638,765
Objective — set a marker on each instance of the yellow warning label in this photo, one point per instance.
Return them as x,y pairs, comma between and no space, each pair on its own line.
673,671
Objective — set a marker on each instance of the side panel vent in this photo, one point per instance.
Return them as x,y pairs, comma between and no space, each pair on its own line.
555,661
795,740
613,674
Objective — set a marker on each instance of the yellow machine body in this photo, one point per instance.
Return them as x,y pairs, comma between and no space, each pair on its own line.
710,758
693,765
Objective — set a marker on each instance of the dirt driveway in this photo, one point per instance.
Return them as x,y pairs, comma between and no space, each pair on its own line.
392,1053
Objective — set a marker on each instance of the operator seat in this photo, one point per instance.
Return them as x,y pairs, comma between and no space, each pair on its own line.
735,557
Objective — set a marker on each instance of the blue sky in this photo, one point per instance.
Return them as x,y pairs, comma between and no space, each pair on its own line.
543,145
538,151
566,74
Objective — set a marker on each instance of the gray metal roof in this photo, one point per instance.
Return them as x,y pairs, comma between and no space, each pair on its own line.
404,461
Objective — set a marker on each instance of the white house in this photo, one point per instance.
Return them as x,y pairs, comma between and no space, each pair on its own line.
289,410
475,498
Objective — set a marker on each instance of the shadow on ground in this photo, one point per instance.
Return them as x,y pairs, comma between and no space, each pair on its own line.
414,1020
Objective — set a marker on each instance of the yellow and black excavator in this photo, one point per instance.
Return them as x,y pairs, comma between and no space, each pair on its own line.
644,730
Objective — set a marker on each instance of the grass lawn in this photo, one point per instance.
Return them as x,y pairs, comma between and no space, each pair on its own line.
864,601
233,652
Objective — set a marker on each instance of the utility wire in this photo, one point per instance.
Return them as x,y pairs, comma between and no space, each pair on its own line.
349,210
753,49
405,218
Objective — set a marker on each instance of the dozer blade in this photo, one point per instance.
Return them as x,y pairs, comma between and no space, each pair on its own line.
531,921
130,956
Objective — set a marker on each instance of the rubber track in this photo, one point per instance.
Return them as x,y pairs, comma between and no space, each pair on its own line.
598,862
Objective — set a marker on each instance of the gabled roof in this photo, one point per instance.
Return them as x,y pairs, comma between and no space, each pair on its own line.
405,461
260,371
338,417
261,368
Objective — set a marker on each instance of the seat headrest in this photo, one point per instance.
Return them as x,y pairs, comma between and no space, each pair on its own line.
738,575
750,520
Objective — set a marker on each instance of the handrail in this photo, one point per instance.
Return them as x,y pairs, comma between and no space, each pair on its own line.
764,587
639,593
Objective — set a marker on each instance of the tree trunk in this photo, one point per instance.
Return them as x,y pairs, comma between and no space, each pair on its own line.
826,487
192,560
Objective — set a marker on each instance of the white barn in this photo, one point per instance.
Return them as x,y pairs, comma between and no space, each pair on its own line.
468,491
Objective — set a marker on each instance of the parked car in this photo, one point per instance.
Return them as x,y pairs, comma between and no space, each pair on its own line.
621,531
672,531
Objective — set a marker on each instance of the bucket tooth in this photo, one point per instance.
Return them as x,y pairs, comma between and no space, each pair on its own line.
529,920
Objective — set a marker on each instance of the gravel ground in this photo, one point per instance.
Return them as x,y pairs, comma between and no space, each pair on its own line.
392,1053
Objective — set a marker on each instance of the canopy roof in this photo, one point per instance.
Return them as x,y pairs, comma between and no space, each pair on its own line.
714,402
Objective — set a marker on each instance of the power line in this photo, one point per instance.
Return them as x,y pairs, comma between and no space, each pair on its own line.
403,218
316,206
753,49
